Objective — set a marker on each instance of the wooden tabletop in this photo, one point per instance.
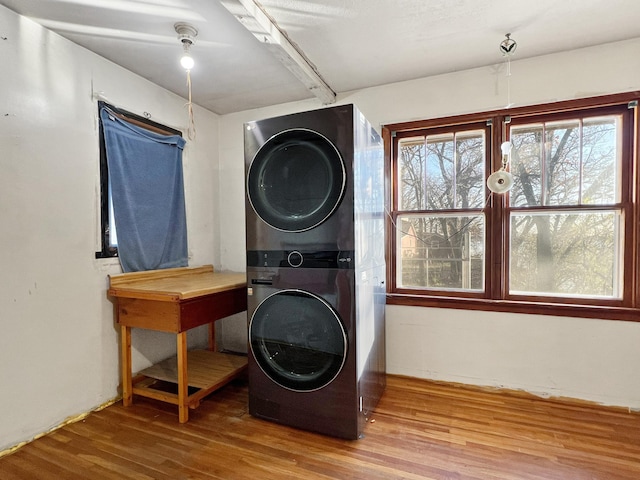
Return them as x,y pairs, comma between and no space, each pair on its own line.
174,284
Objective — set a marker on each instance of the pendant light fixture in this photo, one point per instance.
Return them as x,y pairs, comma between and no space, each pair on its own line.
501,181
187,35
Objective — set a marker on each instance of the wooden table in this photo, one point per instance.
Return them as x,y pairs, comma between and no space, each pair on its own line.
176,300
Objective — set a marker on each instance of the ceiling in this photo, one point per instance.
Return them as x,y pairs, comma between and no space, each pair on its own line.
353,44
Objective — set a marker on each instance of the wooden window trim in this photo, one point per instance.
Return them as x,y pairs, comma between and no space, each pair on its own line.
497,297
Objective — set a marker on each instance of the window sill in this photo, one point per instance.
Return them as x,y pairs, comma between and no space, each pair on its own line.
102,255
511,306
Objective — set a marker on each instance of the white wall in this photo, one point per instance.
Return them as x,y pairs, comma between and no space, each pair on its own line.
58,341
588,359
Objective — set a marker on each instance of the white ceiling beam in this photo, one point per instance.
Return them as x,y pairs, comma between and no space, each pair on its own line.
255,19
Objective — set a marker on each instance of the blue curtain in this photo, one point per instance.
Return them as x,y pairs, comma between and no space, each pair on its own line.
147,189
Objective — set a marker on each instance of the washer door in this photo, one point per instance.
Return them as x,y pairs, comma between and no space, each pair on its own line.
298,340
296,180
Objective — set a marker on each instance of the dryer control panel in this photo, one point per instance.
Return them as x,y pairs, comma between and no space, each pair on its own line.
301,258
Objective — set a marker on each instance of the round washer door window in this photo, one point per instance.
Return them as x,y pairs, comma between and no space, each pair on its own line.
296,180
298,340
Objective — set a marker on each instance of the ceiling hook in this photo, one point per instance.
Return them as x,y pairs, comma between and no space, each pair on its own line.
508,46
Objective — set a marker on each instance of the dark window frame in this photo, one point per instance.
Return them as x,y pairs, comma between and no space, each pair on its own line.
107,250
496,296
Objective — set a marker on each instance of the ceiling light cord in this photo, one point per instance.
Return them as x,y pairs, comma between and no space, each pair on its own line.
508,82
191,129
508,48
186,35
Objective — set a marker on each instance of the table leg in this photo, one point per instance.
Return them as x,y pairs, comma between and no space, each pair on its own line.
183,378
212,336
125,353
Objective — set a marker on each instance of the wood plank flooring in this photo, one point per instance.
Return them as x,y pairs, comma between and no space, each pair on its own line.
420,430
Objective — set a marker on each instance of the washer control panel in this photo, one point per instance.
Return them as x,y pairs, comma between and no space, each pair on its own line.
300,258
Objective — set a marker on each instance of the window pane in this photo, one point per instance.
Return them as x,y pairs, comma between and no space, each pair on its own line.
411,173
601,161
562,164
469,169
442,172
526,165
566,163
444,252
568,254
111,228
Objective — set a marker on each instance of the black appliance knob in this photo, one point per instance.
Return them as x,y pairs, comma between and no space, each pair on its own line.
295,259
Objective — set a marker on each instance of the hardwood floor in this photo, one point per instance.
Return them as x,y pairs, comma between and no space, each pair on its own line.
420,430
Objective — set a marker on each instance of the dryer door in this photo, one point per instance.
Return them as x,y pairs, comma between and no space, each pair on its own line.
296,180
298,340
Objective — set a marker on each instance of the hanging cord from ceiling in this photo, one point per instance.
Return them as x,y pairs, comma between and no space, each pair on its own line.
508,48
191,128
186,35
501,181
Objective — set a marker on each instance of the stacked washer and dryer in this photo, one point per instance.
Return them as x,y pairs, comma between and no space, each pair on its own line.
315,269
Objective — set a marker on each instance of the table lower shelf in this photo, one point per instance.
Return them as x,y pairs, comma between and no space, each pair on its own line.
206,371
